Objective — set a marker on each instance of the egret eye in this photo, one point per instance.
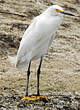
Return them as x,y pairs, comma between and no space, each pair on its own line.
59,10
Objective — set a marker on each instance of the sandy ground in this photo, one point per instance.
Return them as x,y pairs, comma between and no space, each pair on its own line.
61,66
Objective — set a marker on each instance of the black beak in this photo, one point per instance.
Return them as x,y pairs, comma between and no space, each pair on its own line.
66,13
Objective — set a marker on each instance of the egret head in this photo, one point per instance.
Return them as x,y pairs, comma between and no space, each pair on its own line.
57,10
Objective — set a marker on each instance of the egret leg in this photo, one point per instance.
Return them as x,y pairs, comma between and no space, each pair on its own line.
38,97
38,77
28,74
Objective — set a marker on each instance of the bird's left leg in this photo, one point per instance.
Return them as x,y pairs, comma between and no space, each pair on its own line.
39,97
38,77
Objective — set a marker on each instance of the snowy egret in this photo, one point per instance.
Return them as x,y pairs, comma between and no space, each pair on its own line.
37,38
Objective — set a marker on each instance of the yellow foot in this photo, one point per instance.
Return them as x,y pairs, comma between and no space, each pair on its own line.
36,98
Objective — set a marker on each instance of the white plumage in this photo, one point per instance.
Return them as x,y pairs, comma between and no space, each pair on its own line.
38,37
36,40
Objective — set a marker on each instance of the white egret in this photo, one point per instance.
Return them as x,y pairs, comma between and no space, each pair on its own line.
37,38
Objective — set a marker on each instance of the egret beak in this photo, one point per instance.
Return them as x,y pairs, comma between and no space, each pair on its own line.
66,13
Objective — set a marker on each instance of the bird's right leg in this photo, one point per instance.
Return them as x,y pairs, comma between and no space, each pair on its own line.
28,74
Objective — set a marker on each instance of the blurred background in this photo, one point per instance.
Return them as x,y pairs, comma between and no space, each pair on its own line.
61,66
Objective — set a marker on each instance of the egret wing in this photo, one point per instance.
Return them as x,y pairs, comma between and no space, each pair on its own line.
34,42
